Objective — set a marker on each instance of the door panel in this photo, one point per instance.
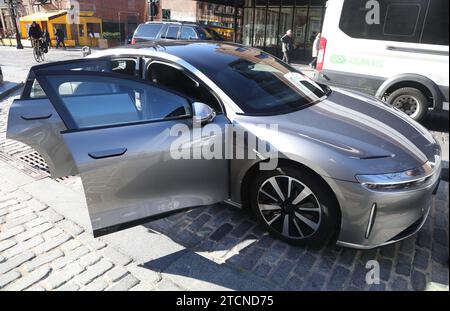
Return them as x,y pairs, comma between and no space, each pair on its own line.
119,136
128,173
37,124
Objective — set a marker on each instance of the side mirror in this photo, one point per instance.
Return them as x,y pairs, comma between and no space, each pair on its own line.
203,114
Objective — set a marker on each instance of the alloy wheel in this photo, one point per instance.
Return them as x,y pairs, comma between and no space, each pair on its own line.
289,207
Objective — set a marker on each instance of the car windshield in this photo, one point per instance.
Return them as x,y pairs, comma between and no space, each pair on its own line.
262,84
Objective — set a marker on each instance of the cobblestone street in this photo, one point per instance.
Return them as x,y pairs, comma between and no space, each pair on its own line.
44,247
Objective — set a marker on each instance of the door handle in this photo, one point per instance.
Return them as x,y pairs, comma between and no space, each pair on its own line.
108,153
32,118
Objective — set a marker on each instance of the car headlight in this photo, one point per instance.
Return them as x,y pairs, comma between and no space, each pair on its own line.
403,180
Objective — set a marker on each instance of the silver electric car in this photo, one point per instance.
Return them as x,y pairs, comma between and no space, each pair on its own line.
347,167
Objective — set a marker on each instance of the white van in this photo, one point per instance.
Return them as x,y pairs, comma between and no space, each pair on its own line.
397,50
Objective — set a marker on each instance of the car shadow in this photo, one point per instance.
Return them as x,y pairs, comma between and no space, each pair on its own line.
437,121
224,242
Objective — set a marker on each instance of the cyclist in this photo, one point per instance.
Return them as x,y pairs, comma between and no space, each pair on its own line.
34,33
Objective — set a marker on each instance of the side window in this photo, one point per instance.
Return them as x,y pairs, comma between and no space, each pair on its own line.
396,23
436,23
34,90
172,32
37,91
188,33
126,66
400,21
97,100
177,80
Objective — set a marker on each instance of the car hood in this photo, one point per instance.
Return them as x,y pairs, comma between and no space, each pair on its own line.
374,138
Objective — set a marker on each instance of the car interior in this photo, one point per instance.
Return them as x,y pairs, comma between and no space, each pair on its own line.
175,79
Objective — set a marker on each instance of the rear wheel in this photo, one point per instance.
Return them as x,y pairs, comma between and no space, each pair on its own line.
295,205
410,101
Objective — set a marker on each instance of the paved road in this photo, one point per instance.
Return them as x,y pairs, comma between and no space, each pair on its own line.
44,223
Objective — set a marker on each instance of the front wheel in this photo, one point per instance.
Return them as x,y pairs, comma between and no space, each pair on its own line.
410,101
295,205
37,54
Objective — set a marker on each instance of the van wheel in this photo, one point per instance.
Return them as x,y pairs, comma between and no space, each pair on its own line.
295,206
411,101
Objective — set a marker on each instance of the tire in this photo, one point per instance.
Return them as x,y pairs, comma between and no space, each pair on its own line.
405,99
312,221
36,55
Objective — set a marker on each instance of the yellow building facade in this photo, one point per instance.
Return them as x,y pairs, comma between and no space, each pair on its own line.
86,32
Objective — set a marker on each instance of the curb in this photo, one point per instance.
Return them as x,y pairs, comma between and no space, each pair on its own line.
11,90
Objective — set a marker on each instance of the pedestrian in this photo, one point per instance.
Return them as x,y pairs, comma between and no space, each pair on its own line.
287,46
34,33
60,38
315,51
46,36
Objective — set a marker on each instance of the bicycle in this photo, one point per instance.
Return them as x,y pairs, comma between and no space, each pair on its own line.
38,50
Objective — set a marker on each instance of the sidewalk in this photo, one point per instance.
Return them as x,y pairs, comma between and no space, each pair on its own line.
43,248
7,88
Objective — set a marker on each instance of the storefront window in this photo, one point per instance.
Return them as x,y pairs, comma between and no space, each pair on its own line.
272,35
259,27
221,18
266,21
93,30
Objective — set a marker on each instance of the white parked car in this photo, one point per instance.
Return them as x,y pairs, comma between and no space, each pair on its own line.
397,50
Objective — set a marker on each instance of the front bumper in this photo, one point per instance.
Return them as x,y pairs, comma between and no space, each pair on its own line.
399,214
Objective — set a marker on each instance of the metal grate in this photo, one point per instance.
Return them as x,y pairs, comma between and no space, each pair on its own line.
35,160
23,167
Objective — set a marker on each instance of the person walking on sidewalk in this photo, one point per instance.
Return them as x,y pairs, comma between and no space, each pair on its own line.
60,38
287,46
315,51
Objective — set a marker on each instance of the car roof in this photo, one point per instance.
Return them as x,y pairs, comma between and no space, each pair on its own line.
171,23
196,52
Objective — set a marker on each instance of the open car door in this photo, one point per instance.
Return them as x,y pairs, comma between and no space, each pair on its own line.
118,134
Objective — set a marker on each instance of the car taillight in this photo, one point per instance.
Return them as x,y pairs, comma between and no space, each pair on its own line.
321,54
133,41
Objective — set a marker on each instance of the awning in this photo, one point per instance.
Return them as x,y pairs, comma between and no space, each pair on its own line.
43,16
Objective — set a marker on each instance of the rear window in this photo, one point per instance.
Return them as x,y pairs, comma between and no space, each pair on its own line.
150,31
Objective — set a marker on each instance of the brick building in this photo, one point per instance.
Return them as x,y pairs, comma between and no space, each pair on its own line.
117,15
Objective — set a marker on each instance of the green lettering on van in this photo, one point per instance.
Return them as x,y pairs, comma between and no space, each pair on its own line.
338,59
357,61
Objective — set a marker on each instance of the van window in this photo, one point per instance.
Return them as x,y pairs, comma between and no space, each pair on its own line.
436,24
149,31
396,24
400,20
